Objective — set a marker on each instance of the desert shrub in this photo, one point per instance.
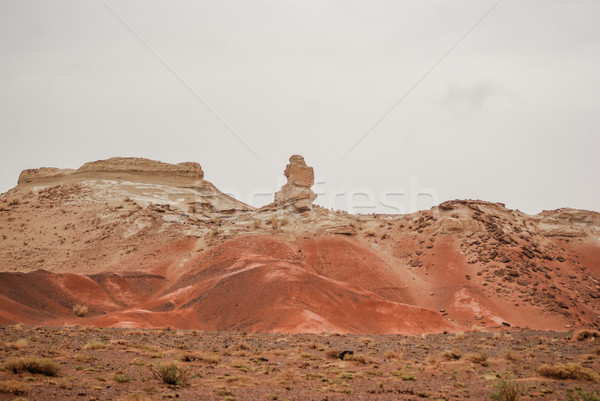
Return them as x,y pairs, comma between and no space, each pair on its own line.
405,376
13,387
568,371
391,355
213,359
32,365
121,378
172,374
243,345
94,344
135,397
358,358
80,310
582,395
511,356
479,358
333,353
20,343
316,346
585,334
506,389
452,355
223,392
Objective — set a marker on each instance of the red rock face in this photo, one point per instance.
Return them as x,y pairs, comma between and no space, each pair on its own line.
144,254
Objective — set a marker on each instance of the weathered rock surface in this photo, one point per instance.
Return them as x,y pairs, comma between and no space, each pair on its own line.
133,165
37,174
149,244
296,193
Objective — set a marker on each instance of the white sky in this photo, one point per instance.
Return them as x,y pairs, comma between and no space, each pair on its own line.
511,114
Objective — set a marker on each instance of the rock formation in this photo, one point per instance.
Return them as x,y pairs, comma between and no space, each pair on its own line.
296,193
133,165
130,166
148,244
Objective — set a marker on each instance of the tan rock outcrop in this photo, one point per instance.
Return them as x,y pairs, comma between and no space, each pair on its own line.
30,175
130,167
134,165
296,193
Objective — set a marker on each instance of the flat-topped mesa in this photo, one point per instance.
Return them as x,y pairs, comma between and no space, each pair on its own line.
134,165
116,166
296,193
37,174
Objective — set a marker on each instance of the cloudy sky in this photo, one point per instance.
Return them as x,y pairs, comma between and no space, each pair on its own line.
477,99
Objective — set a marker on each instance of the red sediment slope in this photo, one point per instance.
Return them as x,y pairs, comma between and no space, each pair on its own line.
147,244
256,283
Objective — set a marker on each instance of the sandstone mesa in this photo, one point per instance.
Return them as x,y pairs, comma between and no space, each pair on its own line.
149,244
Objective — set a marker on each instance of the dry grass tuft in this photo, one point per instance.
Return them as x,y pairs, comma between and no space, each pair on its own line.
80,310
479,358
452,355
20,343
582,395
390,354
13,387
213,359
568,371
121,378
171,374
33,365
586,334
333,353
506,389
243,346
94,344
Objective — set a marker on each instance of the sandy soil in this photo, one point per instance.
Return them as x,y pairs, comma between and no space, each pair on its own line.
117,364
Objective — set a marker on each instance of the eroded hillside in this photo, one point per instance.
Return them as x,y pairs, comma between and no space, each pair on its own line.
148,244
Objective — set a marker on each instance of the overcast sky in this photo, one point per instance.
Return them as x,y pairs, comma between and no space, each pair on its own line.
479,99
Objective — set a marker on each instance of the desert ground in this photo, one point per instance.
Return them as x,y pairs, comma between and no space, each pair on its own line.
121,364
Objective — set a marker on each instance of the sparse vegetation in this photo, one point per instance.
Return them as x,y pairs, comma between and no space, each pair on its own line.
391,355
452,355
94,344
201,357
80,310
172,374
20,343
431,366
586,334
568,371
14,387
506,389
404,375
121,378
243,345
479,358
32,365
582,395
